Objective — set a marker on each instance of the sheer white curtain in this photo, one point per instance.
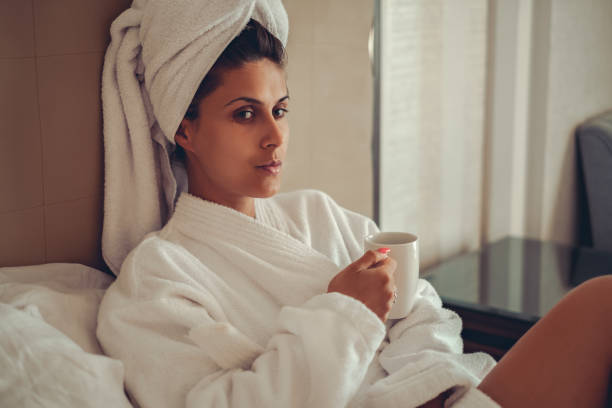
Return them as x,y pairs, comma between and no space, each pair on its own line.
432,110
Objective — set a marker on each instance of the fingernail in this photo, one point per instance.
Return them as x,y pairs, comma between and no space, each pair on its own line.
384,250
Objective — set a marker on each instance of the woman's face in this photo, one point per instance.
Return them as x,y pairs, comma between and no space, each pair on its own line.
241,129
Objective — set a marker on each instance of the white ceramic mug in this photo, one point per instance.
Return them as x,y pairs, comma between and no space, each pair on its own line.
405,251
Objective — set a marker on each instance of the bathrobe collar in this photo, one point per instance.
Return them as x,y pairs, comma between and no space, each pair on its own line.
274,254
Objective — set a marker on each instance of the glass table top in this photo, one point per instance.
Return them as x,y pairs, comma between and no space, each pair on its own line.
516,277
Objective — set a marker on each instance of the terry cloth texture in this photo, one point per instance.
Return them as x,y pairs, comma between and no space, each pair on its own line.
222,310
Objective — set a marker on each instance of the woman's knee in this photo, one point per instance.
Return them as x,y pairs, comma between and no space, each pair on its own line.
596,289
592,298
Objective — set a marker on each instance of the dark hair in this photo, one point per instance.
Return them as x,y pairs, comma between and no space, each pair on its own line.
253,43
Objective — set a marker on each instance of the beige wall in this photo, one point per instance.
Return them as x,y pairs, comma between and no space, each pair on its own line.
330,84
50,129
51,157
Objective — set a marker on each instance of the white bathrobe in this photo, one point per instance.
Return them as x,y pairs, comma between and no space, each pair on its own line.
218,309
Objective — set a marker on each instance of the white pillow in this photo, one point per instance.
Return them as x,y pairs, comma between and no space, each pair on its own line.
41,367
67,296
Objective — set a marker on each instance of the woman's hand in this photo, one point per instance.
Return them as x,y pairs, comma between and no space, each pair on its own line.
369,280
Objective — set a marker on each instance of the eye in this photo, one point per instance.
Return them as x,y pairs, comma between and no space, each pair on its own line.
280,112
244,115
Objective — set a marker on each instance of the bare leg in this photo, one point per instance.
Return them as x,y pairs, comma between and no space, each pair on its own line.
565,359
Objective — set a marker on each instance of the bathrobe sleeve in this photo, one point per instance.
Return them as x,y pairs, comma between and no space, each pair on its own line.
424,348
179,350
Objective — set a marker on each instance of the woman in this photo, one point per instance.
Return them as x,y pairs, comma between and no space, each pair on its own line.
239,299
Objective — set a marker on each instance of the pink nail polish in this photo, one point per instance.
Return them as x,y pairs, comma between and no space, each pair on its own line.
384,250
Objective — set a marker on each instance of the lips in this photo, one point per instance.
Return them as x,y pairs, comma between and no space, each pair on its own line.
272,163
273,166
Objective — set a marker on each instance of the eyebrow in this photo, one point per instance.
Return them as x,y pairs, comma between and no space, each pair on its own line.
253,100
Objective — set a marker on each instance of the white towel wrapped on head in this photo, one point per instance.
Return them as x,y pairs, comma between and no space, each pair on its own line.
159,53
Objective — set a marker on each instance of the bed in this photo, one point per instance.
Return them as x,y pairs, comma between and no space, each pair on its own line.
49,354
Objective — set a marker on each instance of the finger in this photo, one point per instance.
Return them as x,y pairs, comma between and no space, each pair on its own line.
386,268
368,259
379,256
388,263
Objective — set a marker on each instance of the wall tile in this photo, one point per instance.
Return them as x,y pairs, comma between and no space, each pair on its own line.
22,239
70,111
73,231
343,22
342,125
16,29
73,26
20,147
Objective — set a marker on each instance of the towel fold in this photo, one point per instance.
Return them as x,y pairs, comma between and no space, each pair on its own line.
159,53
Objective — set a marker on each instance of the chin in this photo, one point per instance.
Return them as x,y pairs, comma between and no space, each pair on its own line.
267,191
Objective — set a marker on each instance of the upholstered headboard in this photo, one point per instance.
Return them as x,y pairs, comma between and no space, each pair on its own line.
51,158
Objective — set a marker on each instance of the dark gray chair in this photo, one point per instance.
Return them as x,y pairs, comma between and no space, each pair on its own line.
594,139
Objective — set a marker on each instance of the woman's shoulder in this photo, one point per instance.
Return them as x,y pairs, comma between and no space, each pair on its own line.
154,244
313,206
314,201
153,257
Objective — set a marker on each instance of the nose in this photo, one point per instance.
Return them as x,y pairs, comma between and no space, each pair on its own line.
274,133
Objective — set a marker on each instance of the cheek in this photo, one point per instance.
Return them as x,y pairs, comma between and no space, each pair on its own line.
224,154
211,141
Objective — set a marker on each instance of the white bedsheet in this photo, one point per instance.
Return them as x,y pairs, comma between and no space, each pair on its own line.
49,354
